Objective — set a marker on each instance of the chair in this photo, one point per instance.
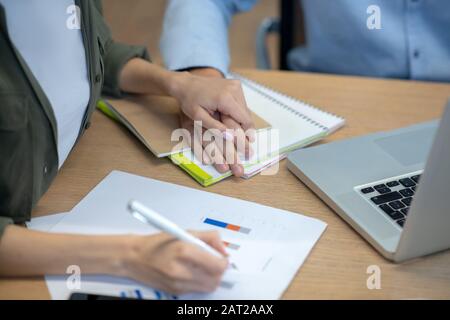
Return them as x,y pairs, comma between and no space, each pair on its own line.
290,29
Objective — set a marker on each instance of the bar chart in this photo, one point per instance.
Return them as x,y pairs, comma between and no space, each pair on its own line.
225,225
231,246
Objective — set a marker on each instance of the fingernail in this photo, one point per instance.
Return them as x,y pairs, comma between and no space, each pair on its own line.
222,168
238,171
228,136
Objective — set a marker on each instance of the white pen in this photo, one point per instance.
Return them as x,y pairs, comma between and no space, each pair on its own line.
149,216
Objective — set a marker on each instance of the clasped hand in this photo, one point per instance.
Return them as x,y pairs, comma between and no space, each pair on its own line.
219,105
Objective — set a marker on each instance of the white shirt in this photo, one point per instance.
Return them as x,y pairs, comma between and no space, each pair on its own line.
44,33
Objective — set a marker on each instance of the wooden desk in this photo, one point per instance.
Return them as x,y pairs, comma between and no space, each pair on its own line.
336,268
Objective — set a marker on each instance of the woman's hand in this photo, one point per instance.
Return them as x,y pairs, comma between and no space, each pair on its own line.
175,266
219,153
158,260
223,156
200,97
204,95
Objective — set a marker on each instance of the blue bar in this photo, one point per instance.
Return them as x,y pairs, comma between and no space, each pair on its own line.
138,294
215,223
123,294
158,295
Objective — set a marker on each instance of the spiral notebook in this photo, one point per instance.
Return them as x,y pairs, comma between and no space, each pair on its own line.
293,122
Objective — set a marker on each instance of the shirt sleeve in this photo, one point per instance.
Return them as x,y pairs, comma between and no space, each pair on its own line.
114,54
115,57
195,33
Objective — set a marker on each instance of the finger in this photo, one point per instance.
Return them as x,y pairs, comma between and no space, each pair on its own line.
185,121
209,263
228,149
198,147
234,105
214,152
208,122
204,282
249,126
213,239
240,141
200,282
194,140
229,105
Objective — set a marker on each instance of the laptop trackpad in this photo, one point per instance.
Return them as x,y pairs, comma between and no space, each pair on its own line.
409,148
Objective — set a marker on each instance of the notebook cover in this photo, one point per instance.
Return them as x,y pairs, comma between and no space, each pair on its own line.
152,119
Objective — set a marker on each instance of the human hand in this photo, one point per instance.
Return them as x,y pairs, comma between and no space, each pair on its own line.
222,154
229,151
200,97
175,266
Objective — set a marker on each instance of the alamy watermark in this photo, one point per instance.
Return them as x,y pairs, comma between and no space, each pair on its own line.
213,146
73,22
73,281
374,19
374,280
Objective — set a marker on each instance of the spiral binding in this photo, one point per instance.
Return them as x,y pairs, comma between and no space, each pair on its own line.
251,85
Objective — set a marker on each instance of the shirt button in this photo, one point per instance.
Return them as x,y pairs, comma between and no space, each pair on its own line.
98,78
416,54
45,169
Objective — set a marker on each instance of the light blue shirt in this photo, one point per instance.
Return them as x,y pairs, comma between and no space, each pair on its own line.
45,34
412,43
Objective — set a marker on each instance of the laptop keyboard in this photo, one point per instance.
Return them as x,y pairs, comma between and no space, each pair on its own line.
393,196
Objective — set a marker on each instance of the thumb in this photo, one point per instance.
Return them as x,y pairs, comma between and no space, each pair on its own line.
213,239
210,123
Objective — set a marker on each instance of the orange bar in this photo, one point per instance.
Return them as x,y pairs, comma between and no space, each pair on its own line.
233,227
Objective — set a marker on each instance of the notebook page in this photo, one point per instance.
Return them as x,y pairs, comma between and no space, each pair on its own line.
291,129
295,107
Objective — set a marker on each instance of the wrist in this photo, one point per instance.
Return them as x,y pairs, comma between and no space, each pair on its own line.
131,258
206,72
176,83
125,255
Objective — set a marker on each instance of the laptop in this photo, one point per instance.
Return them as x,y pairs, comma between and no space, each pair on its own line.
392,187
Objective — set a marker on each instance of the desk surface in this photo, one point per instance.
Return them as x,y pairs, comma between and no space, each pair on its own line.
336,268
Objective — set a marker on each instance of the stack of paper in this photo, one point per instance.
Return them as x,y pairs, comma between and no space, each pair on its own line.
267,245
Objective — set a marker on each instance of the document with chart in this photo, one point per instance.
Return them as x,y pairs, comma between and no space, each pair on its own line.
266,245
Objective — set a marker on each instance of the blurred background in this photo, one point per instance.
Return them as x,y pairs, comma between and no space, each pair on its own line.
140,22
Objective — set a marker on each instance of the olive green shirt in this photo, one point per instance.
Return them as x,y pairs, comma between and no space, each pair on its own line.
28,130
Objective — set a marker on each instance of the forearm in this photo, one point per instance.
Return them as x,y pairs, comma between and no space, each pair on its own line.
206,72
25,252
199,96
142,77
139,76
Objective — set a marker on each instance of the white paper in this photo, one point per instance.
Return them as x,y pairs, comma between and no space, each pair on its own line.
330,121
268,256
45,223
